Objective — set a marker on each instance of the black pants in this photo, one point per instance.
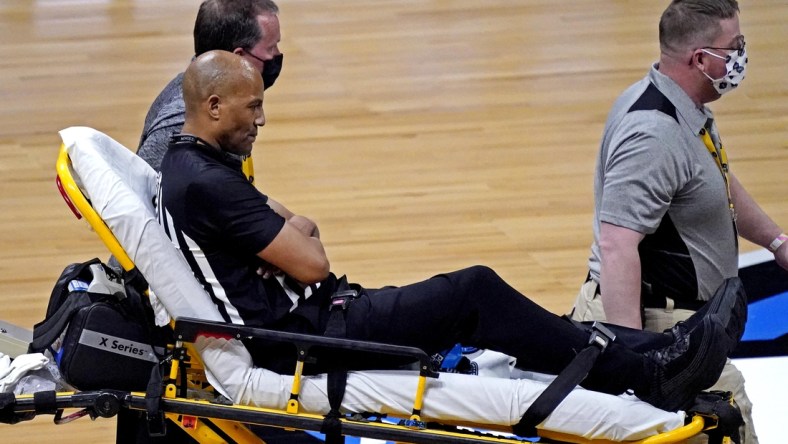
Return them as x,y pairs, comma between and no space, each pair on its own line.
476,307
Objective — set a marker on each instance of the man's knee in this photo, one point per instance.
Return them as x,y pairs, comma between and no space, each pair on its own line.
474,275
483,272
471,284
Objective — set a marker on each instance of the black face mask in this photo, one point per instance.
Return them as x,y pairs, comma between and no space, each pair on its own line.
271,70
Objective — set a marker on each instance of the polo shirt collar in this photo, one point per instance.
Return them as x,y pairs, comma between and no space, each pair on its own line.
694,117
233,161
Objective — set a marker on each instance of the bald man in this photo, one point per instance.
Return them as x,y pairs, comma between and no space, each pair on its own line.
249,28
220,91
227,230
223,95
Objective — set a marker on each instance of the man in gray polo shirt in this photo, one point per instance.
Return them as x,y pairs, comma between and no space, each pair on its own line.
249,28
668,212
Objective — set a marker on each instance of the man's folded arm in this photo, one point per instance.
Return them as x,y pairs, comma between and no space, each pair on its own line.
298,255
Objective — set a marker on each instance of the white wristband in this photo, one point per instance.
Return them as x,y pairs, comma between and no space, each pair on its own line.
779,240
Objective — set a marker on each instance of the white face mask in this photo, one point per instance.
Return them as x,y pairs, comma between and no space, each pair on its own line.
736,66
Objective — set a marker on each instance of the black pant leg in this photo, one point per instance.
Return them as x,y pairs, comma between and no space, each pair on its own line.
476,307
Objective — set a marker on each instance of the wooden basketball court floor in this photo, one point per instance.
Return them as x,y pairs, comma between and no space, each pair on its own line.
422,135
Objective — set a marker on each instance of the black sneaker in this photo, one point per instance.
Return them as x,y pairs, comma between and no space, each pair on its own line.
729,304
692,363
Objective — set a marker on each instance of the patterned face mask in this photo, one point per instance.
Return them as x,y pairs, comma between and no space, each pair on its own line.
736,66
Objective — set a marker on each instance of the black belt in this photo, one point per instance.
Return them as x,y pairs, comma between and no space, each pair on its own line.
658,301
651,300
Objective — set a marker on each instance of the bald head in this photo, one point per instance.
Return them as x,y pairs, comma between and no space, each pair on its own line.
223,96
215,73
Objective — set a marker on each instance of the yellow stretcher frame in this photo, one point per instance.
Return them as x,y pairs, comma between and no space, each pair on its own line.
200,418
81,207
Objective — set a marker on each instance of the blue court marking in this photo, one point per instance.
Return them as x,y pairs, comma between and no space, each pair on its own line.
348,439
354,440
322,437
767,319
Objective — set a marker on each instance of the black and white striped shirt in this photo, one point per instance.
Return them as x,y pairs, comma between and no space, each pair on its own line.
219,222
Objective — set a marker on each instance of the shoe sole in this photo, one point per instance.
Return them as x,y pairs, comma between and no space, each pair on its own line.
732,310
729,306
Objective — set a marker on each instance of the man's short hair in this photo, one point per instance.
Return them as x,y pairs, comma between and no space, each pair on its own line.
691,24
229,24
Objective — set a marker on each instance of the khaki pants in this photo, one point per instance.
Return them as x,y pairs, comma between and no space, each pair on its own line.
588,307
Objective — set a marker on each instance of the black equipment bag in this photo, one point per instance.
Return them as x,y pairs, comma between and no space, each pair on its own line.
99,329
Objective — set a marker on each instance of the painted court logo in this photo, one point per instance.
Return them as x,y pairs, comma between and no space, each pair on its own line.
114,344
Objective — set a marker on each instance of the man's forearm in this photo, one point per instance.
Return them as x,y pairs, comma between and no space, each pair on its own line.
752,222
620,275
620,289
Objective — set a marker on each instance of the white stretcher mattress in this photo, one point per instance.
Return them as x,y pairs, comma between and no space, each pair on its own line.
121,188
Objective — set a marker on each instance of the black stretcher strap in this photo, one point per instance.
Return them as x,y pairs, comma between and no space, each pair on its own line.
157,426
565,382
718,406
332,425
337,377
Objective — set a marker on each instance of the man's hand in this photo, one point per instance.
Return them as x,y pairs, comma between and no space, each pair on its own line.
297,251
781,256
302,223
267,271
305,225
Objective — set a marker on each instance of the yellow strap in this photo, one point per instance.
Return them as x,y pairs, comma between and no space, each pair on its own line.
248,168
721,158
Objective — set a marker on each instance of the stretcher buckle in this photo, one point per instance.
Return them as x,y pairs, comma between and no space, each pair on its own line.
601,336
341,299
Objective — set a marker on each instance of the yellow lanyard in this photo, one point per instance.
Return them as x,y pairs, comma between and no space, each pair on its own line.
722,163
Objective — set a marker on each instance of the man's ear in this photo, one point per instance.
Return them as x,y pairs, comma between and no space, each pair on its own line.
238,51
214,103
698,59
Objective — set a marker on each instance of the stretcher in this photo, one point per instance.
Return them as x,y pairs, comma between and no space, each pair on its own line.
210,389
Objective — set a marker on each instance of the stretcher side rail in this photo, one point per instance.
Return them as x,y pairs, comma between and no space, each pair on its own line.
335,351
107,403
188,329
